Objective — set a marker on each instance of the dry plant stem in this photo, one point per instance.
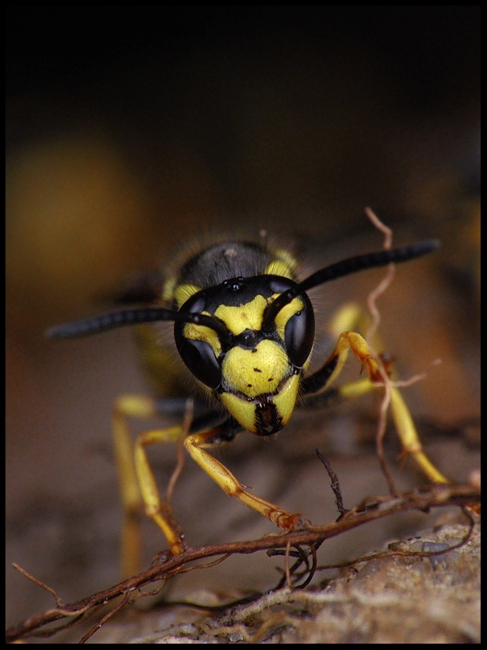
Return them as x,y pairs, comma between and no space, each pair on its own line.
302,558
288,572
375,314
386,379
335,485
387,232
180,455
106,618
386,282
39,583
372,509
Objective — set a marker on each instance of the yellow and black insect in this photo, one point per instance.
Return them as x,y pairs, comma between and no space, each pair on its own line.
244,327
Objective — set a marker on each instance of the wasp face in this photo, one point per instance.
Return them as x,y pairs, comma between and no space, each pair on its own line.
252,366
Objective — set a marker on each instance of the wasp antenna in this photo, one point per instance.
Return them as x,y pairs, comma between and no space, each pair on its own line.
112,320
347,267
106,322
369,261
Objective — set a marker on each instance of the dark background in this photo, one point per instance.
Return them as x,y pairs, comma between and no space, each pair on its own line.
130,129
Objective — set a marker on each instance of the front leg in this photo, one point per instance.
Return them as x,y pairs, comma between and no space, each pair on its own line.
195,442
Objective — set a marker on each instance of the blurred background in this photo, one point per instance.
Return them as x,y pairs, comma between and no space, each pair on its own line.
133,128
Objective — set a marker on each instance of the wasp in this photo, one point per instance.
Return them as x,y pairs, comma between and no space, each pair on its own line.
244,328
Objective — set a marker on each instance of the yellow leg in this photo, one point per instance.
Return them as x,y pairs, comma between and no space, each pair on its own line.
406,429
410,439
138,490
350,316
154,506
352,341
229,484
400,412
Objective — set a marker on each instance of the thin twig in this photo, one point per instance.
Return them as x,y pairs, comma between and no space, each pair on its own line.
375,314
180,455
385,282
39,583
106,618
335,485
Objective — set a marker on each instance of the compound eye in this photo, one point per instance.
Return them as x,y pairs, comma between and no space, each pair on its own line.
199,359
299,335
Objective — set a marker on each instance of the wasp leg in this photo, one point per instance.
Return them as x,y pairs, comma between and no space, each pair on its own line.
325,376
404,423
153,504
195,442
410,439
138,490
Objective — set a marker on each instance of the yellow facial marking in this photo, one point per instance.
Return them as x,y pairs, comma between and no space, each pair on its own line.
286,313
255,372
243,317
244,411
241,410
202,333
285,400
